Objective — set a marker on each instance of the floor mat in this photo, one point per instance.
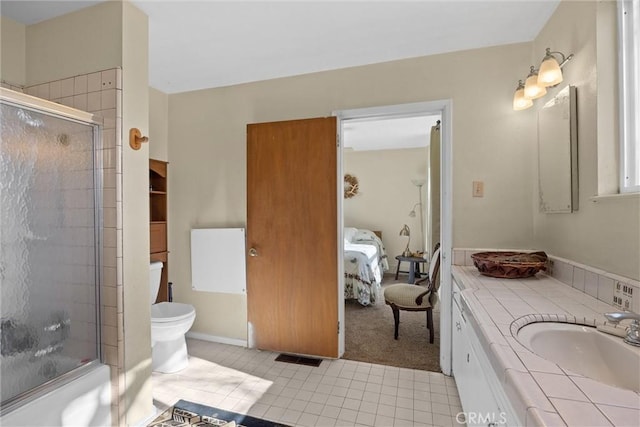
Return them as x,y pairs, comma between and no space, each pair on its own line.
187,414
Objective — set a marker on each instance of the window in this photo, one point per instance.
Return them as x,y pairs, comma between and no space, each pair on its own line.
629,40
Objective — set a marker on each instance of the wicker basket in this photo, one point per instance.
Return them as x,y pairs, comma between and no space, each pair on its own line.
509,265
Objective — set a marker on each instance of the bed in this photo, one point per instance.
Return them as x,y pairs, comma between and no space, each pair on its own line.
365,261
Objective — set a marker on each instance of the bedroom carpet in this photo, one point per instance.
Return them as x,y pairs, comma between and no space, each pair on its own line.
369,335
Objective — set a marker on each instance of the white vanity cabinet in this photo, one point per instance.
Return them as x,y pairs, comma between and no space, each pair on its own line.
478,395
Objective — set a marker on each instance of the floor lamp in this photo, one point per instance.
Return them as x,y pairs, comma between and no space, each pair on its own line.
419,183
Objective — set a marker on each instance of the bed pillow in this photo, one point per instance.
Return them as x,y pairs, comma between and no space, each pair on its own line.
349,234
362,235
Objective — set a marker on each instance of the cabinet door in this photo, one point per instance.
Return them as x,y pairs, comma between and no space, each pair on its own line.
459,346
478,402
482,408
158,237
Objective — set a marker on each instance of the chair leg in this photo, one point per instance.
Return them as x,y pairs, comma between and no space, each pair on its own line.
396,320
430,324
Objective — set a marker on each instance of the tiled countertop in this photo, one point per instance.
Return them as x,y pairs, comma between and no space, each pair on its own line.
542,393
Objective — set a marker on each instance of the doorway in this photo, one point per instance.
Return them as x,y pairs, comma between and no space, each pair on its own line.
437,110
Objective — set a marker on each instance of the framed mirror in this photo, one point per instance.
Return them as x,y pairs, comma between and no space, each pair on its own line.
558,153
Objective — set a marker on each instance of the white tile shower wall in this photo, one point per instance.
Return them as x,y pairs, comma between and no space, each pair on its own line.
610,288
101,93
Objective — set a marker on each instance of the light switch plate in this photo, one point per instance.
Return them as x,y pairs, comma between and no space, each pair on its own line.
478,189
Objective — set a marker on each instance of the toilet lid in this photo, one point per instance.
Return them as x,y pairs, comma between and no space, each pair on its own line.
171,311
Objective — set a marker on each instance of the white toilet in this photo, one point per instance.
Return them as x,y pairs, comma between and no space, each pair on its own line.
169,322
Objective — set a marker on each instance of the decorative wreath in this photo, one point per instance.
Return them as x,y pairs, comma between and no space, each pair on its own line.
350,186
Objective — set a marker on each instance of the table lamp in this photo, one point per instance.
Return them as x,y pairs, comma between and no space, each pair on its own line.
406,232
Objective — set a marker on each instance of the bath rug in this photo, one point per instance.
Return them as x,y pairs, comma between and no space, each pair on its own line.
187,414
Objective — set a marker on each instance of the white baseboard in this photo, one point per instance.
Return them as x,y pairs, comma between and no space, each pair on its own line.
215,338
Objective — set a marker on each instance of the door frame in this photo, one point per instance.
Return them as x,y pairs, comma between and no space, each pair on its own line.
445,109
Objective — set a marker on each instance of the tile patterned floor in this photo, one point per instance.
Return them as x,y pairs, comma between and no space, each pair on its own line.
337,393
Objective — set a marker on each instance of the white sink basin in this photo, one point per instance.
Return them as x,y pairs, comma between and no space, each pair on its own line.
585,351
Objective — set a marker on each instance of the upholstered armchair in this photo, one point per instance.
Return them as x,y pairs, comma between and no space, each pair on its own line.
421,296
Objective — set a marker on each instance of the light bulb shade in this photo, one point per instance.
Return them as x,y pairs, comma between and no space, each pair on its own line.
519,100
412,214
405,231
550,73
532,89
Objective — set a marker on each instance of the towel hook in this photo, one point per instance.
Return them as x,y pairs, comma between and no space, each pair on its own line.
136,139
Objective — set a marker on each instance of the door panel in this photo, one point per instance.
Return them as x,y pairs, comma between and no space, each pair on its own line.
292,219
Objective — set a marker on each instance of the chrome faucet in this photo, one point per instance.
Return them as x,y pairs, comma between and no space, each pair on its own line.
633,331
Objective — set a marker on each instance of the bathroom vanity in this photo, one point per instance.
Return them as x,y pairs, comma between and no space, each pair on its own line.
500,381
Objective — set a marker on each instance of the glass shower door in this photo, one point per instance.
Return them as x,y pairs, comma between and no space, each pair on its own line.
49,248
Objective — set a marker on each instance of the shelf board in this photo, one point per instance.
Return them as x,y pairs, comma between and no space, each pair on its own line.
157,192
159,167
157,222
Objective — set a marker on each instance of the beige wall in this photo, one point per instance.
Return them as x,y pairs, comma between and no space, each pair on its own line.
77,43
603,234
135,217
158,125
12,52
491,143
386,195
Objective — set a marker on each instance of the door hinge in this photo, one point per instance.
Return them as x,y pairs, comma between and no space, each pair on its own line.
338,327
338,140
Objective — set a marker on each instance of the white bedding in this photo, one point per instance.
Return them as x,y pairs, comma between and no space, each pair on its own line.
365,261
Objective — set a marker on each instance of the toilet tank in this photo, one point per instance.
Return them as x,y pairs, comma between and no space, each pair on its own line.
155,273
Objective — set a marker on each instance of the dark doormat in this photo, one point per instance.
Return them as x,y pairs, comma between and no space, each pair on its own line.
298,360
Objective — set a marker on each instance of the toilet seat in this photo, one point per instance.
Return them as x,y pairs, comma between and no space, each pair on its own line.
164,312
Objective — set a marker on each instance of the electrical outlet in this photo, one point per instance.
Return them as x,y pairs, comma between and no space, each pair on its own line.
623,296
478,189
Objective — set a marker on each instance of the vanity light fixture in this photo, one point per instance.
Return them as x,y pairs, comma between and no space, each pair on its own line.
532,89
519,100
548,75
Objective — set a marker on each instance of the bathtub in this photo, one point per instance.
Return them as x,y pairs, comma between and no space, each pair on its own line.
84,401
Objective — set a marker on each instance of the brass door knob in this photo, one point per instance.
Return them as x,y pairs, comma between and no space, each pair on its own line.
253,252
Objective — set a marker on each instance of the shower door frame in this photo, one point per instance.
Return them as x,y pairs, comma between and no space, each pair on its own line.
42,106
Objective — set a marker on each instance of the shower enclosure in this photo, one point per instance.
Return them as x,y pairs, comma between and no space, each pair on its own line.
50,240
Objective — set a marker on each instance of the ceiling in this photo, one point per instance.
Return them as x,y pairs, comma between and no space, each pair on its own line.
388,133
204,44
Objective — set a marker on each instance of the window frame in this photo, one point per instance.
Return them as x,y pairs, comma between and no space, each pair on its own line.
629,92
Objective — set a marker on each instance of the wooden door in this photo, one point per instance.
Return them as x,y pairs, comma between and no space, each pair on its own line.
292,289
